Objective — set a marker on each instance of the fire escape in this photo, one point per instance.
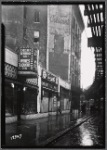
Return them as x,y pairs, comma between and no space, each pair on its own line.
96,21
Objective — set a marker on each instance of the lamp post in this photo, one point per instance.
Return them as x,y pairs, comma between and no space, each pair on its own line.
24,103
12,85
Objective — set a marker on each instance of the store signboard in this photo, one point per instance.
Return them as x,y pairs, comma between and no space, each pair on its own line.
49,77
11,57
27,61
64,84
32,81
10,71
49,85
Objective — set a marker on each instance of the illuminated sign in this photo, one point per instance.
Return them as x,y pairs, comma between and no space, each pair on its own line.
27,61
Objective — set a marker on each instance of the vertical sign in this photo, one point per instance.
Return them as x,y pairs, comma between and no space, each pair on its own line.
35,57
27,61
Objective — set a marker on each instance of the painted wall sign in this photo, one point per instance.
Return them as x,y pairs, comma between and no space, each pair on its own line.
27,61
58,19
10,71
59,42
11,57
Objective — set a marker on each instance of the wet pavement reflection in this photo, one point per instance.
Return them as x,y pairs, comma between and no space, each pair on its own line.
88,134
34,132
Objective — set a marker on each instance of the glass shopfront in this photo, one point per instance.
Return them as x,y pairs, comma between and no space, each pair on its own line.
49,92
65,103
45,101
29,105
19,99
10,97
49,100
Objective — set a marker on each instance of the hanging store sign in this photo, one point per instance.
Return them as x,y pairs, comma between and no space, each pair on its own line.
27,61
49,77
10,71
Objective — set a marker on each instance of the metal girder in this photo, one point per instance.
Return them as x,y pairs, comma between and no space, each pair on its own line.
95,24
91,12
98,52
95,13
95,42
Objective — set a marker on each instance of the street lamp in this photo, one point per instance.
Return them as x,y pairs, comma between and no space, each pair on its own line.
24,103
24,89
12,85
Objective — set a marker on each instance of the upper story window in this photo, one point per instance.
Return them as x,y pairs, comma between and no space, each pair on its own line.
25,12
36,36
37,16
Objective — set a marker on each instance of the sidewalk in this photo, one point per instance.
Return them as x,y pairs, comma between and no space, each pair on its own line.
39,132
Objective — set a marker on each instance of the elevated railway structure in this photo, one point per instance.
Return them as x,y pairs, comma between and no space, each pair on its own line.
96,21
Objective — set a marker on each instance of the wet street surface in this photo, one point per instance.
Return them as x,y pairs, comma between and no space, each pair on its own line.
89,134
32,133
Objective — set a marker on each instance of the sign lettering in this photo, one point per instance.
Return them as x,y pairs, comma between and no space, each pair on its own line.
49,77
58,19
32,81
50,86
10,71
27,60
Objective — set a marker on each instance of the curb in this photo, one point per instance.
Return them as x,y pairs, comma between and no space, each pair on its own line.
58,135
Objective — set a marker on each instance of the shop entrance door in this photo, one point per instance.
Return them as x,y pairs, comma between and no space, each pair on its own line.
20,97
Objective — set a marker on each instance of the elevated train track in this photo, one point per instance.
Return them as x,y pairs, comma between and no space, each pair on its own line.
96,21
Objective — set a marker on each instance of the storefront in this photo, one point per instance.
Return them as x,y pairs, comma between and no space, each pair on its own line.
28,76
64,99
10,97
20,83
30,92
20,97
49,92
10,83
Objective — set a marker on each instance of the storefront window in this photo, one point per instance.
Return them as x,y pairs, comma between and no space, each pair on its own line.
10,97
30,101
45,101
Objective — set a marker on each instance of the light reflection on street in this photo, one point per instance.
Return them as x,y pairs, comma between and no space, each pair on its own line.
85,136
